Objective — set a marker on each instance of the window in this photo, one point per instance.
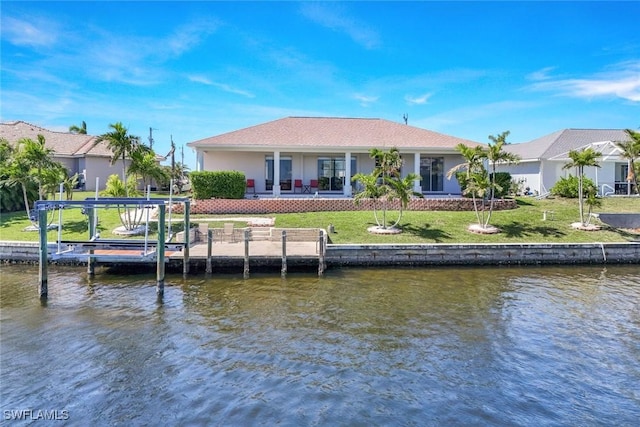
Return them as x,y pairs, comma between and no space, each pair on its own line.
432,173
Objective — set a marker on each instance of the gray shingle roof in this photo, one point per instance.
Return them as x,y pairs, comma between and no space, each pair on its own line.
331,132
563,141
64,144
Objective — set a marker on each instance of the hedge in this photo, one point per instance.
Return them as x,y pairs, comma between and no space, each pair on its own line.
218,184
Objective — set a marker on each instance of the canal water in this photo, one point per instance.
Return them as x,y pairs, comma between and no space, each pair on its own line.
549,346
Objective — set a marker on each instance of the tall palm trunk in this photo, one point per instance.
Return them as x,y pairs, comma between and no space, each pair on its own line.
26,201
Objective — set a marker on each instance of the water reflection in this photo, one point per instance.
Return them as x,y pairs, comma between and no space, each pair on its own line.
494,346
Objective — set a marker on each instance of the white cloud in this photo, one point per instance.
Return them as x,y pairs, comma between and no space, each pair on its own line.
200,79
332,16
542,74
365,100
188,36
222,86
417,100
621,81
28,33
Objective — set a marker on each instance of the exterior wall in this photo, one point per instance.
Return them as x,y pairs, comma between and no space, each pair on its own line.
312,204
100,167
552,171
527,172
305,166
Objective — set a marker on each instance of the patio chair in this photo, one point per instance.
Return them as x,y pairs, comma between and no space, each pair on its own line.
297,184
251,185
228,233
313,184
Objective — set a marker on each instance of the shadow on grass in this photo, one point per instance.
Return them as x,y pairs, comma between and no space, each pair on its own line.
76,226
426,232
522,202
518,229
12,218
629,235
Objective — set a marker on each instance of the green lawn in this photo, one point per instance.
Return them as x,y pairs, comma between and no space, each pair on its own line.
524,224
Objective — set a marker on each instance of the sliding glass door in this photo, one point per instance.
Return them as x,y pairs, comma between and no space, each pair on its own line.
285,173
332,172
432,173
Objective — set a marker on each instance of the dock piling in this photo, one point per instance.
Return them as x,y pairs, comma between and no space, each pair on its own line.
187,226
43,282
209,268
246,253
321,249
160,251
283,271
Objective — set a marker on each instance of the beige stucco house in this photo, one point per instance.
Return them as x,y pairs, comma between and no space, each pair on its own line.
321,154
77,152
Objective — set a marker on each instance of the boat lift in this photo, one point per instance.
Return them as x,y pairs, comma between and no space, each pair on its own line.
96,249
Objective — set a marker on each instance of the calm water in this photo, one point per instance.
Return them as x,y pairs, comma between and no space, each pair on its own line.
443,347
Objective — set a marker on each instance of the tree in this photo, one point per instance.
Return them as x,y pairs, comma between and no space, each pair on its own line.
580,160
630,150
145,166
384,185
37,158
18,174
82,129
474,174
495,154
117,188
121,144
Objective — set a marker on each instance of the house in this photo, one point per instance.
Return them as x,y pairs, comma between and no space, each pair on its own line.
321,154
78,153
543,159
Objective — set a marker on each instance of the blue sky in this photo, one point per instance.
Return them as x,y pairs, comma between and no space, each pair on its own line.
191,70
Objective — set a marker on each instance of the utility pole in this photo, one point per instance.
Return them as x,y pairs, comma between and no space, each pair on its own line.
151,137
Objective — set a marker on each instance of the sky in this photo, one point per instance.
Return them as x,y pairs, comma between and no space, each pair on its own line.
191,70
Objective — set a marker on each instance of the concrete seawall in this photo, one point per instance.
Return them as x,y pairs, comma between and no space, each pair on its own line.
356,255
483,254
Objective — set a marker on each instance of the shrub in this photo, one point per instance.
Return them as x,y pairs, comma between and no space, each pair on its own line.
218,184
568,187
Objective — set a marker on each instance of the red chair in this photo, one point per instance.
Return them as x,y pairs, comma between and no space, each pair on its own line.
251,185
297,183
314,184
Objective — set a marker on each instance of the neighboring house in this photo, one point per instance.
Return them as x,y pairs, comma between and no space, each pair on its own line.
543,159
309,154
77,152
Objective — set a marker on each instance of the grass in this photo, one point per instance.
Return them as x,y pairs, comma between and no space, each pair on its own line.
522,225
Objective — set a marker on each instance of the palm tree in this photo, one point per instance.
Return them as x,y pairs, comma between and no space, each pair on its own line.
144,165
402,190
19,173
474,168
580,160
37,157
371,190
384,185
117,188
496,154
121,144
630,150
79,129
